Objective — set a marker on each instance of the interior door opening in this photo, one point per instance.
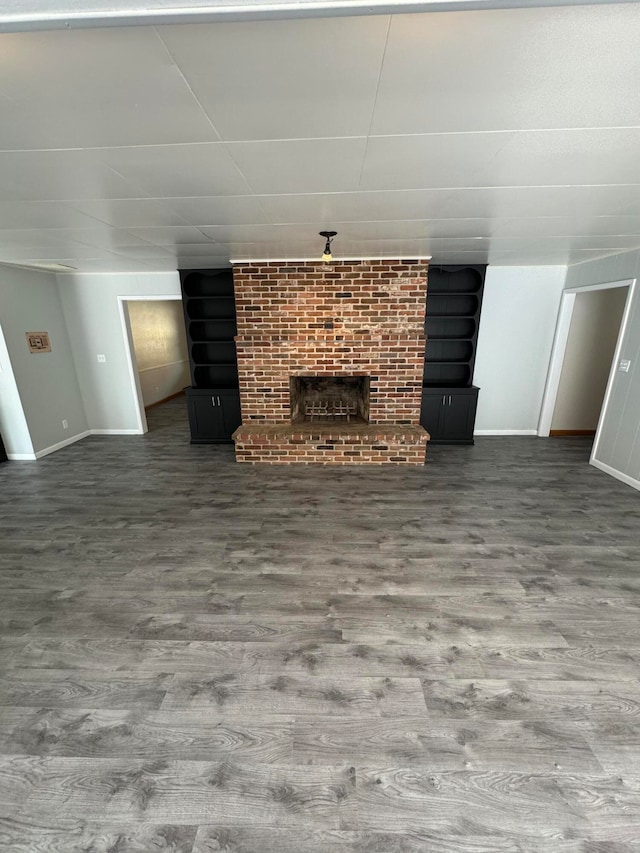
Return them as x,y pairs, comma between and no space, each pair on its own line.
158,351
591,343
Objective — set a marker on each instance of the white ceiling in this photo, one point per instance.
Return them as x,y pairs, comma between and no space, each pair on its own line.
505,136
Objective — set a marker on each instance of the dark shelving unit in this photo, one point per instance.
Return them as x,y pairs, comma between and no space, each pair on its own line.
449,399
213,399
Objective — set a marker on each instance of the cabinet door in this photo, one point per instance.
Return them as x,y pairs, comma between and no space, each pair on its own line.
232,415
458,416
206,417
431,414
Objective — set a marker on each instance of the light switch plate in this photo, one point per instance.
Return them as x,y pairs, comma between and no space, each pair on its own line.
624,365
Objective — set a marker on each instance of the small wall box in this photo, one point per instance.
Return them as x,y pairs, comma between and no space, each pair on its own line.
38,342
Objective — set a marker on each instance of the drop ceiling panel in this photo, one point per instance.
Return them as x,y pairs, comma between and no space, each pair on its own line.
119,263
326,208
603,156
144,251
314,165
524,69
204,251
525,227
221,210
170,236
60,175
33,237
71,89
42,215
263,234
176,170
72,251
541,201
109,239
608,243
562,226
294,79
189,262
441,160
124,213
64,239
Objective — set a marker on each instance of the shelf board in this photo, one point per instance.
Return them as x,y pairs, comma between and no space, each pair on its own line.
209,319
451,316
219,386
437,386
437,338
452,293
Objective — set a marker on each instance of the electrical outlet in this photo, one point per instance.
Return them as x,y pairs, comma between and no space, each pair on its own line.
102,358
65,424
624,365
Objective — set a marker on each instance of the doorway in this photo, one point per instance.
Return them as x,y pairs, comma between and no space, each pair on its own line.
157,347
586,348
591,344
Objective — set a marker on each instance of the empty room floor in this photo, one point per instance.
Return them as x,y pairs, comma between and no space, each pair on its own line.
203,656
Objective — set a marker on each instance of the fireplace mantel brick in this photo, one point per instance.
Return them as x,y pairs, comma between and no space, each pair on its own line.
356,318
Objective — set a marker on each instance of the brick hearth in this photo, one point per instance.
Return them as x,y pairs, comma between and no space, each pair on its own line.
361,318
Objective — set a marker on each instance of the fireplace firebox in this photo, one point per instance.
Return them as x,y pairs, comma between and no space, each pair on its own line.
329,399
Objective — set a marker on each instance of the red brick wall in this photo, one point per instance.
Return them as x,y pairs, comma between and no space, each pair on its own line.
352,318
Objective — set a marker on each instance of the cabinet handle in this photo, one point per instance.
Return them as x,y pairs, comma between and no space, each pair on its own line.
449,399
443,400
219,403
213,401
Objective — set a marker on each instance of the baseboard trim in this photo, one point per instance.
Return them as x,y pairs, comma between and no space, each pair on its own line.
562,433
116,432
33,457
613,472
164,399
60,444
506,432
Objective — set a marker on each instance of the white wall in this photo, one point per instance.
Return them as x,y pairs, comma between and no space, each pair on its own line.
593,334
90,303
160,345
13,424
46,382
618,448
517,324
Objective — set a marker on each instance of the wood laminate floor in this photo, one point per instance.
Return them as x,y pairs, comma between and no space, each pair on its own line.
200,656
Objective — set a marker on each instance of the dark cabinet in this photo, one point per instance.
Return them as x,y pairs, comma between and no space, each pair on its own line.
449,414
210,317
3,453
454,300
214,414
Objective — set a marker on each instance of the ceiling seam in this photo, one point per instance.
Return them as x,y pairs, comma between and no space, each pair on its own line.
375,100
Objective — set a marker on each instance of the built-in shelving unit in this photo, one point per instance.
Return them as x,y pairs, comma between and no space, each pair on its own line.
454,300
210,319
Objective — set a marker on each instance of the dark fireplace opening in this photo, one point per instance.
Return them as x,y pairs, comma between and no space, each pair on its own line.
329,399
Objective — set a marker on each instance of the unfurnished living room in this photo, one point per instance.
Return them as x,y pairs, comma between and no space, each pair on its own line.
319,426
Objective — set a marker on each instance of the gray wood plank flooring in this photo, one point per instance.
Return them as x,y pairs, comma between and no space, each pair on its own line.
200,656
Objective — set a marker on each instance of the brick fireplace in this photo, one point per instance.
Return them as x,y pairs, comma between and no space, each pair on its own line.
330,360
